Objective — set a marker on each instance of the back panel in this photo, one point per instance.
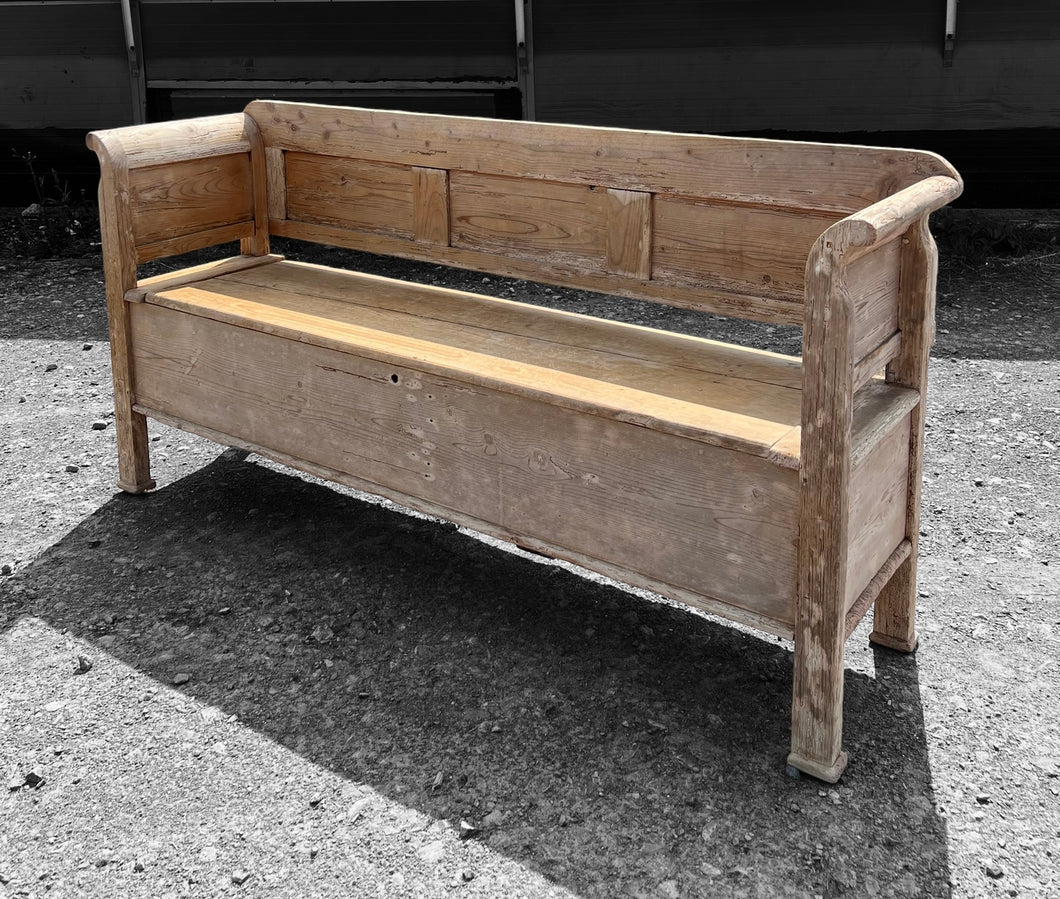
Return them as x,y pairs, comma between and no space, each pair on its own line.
718,224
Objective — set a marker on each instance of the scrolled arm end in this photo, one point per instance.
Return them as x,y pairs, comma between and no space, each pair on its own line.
893,215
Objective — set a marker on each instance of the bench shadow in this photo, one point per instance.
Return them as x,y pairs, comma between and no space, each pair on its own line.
606,742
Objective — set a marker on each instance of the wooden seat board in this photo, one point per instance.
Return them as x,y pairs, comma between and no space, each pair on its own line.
717,408
518,318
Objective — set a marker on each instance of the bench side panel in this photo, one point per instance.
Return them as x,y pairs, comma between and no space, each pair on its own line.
187,184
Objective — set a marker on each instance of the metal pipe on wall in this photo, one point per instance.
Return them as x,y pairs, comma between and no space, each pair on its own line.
131,22
524,57
951,33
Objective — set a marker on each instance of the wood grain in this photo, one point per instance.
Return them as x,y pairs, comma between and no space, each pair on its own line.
716,395
894,617
878,489
629,233
617,573
431,205
119,266
873,284
828,336
351,193
180,198
258,243
679,351
878,409
276,177
196,240
757,250
704,297
163,143
826,177
559,226
875,361
708,517
203,272
868,596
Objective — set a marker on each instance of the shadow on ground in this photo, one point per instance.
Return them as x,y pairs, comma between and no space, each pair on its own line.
609,743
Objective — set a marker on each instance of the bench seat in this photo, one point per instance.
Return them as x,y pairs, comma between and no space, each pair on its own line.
419,374
718,393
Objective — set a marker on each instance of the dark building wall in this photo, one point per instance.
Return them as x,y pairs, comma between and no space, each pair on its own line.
828,69
753,65
63,65
425,40
851,72
64,68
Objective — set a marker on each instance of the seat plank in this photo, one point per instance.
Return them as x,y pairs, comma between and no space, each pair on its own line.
509,316
712,392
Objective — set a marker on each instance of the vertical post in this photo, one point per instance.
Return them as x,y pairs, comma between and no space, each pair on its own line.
524,57
827,416
951,33
894,616
258,243
130,14
119,267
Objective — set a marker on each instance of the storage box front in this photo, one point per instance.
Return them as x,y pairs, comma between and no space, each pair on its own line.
712,521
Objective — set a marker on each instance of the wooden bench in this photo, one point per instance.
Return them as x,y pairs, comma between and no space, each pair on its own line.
777,492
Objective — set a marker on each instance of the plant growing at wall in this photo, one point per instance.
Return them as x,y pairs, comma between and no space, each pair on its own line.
60,223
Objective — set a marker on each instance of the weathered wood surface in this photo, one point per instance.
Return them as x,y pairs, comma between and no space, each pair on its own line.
179,198
629,233
430,210
868,596
829,178
780,493
727,396
411,501
712,521
193,273
119,267
186,140
878,489
736,247
894,620
257,244
825,469
703,297
363,196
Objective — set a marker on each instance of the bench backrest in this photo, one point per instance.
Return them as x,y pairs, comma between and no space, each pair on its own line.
712,223
723,224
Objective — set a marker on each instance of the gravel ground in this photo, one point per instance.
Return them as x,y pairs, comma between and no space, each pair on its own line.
248,683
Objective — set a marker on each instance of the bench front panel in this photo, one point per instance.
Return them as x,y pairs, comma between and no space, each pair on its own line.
714,522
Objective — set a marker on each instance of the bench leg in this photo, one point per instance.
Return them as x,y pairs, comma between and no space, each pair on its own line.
119,266
817,708
894,616
134,458
894,612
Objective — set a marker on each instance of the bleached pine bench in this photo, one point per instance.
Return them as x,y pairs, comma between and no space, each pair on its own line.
777,492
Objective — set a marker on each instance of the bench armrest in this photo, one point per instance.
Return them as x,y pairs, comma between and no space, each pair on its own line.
852,274
172,187
886,219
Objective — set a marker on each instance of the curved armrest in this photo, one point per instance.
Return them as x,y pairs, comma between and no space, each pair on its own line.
891,216
181,141
172,187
